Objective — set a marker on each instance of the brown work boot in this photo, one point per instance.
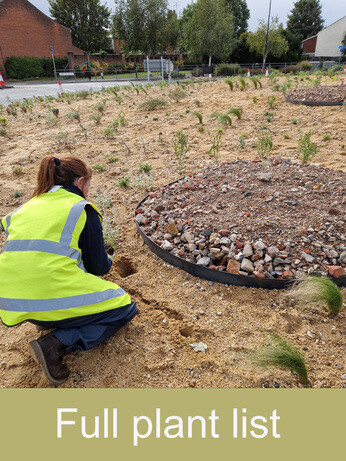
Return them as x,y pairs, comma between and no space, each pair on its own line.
48,352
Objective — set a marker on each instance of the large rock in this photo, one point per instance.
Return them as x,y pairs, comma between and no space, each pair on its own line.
233,266
336,271
205,261
166,245
247,251
246,265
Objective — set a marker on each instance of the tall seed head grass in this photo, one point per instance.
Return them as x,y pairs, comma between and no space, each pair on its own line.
320,291
279,353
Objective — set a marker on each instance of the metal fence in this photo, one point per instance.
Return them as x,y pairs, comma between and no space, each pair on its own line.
139,72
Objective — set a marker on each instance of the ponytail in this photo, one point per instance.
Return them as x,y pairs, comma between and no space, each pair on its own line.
54,171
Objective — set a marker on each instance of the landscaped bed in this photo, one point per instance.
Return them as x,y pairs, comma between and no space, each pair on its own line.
273,219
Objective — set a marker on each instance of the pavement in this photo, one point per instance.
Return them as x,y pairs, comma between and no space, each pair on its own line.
20,90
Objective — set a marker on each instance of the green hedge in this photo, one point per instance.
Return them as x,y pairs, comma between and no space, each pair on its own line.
23,67
228,69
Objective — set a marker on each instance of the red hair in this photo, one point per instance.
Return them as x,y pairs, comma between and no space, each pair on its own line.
54,171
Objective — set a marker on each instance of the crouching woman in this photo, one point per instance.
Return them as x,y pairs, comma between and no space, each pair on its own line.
49,264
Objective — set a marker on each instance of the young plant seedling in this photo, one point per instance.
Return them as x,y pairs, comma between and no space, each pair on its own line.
306,148
99,168
146,167
124,182
180,147
264,145
198,115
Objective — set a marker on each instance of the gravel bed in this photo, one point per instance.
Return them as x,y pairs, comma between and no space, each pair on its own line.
318,95
274,219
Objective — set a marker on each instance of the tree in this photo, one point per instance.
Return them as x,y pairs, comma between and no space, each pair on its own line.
305,19
277,44
210,30
141,24
87,20
241,14
171,30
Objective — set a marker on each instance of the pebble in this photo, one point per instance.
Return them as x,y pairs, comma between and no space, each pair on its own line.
246,265
166,245
343,377
205,261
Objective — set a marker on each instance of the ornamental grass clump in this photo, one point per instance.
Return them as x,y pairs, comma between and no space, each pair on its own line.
152,104
264,145
256,81
242,83
177,94
320,291
279,353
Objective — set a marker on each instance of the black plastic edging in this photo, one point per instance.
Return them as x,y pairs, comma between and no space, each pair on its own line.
215,275
314,103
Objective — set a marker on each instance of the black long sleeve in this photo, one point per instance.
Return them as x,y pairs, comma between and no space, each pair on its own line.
94,256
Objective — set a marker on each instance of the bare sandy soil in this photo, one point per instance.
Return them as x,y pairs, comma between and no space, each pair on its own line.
175,309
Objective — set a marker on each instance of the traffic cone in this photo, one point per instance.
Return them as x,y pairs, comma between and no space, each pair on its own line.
267,72
2,83
248,72
60,88
344,70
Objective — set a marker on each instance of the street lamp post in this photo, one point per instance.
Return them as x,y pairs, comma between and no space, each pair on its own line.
266,44
51,48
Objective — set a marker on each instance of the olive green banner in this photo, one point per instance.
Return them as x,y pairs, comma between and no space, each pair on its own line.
172,424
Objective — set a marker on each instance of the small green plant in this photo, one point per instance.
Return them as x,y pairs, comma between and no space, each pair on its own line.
124,182
110,130
74,115
146,167
3,133
99,168
242,83
326,137
180,147
306,148
3,121
279,353
294,121
84,130
187,111
236,112
198,115
121,119
254,99
111,159
55,112
200,128
17,193
317,290
271,101
109,228
230,82
216,144
66,140
143,181
264,145
96,118
242,142
256,81
100,107
224,119
286,135
17,170
152,104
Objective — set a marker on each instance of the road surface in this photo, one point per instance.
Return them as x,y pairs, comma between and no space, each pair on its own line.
30,89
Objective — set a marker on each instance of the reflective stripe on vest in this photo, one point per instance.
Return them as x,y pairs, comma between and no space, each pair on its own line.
69,302
47,246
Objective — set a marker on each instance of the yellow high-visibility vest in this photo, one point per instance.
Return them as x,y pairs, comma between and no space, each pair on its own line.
42,276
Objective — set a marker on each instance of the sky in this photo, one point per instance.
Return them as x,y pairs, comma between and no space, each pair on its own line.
332,10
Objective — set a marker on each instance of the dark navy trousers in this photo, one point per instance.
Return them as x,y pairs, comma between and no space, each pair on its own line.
89,331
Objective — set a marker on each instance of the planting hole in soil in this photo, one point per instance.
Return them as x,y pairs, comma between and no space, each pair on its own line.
125,267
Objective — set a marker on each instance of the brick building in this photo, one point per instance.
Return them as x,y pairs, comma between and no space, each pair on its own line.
26,31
